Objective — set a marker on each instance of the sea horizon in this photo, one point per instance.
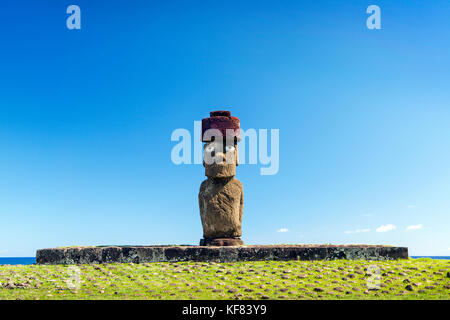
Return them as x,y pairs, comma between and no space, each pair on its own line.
32,260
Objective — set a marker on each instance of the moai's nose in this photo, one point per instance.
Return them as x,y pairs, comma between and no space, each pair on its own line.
220,157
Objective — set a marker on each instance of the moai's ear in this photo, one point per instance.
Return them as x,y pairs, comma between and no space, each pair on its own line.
203,155
236,154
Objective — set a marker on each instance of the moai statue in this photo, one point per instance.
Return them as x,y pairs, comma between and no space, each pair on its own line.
221,196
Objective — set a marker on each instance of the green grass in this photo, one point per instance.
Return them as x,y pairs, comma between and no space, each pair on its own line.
338,279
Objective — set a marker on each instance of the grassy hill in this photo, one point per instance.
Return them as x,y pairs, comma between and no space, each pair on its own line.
338,279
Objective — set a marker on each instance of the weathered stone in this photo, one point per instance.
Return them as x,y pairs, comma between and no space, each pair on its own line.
220,242
221,207
144,254
221,195
223,122
220,170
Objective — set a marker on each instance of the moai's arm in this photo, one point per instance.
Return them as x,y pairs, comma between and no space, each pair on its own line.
200,204
200,200
241,212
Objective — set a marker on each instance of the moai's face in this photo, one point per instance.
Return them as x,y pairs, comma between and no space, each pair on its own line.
220,159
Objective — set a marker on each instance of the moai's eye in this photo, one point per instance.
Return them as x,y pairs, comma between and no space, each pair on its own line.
209,149
229,148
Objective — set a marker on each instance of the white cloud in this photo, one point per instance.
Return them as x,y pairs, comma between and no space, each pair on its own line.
411,206
385,228
414,227
357,231
283,230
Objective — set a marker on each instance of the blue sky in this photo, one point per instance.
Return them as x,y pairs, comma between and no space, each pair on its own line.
86,118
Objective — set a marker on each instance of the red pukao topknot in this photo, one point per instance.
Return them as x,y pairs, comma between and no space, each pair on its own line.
221,120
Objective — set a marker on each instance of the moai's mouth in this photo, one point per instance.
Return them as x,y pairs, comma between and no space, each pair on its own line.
221,170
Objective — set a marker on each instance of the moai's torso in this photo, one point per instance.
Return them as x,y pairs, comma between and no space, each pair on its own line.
221,207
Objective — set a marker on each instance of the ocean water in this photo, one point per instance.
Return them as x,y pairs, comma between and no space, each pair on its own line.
432,257
32,260
19,260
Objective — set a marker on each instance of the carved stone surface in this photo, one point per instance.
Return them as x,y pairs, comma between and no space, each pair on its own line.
143,254
221,242
223,122
221,196
221,207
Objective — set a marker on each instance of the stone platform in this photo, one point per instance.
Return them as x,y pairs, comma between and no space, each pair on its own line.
144,254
